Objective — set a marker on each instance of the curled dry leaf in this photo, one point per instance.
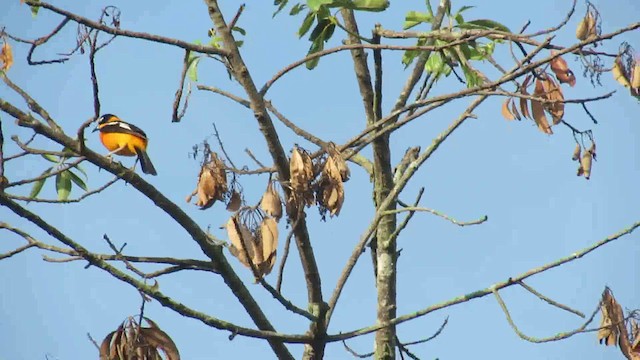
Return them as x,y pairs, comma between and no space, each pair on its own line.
576,153
592,150
514,110
235,201
6,57
271,203
561,70
524,108
506,110
212,183
553,92
620,73
133,341
612,320
301,176
581,30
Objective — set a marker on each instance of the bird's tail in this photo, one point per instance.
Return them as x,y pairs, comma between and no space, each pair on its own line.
145,162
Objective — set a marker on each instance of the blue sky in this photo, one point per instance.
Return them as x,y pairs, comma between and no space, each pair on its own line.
522,179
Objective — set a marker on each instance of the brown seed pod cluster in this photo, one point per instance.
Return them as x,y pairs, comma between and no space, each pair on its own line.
561,71
133,341
585,159
253,242
212,183
546,89
330,188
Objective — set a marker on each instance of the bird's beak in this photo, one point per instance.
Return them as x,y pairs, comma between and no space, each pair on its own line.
95,129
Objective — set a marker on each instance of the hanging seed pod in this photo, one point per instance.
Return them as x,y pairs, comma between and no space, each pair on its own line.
585,164
619,73
345,174
561,70
271,203
301,175
241,238
592,30
592,150
6,57
235,201
576,153
506,110
635,75
269,242
581,31
212,183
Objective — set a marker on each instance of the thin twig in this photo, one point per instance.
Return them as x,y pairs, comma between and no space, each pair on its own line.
286,303
176,114
549,300
412,209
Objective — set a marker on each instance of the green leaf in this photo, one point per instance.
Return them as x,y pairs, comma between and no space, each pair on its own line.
435,64
192,68
35,9
281,5
297,8
52,158
63,185
414,18
37,185
239,43
484,24
319,29
318,44
458,15
77,166
370,5
314,5
77,180
306,24
473,79
239,29
410,55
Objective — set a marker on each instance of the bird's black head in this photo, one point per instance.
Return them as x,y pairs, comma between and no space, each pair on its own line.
105,119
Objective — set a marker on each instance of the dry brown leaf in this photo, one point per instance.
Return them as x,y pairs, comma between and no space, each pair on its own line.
524,107
576,153
620,73
506,112
235,201
591,21
514,110
345,174
6,57
592,150
271,203
561,70
552,91
537,109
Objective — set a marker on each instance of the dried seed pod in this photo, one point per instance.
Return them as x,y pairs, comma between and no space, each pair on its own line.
592,150
235,201
514,110
6,57
212,183
591,21
269,243
585,164
582,30
301,175
635,75
524,108
619,72
345,174
271,203
576,153
241,238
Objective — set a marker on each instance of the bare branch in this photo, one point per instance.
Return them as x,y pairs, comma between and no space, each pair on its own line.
437,213
550,301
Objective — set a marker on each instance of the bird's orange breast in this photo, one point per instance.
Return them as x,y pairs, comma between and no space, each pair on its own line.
128,143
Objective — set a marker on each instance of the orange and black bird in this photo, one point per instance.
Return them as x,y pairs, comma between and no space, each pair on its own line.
124,139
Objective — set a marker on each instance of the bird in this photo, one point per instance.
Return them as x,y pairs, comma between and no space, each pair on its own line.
122,138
